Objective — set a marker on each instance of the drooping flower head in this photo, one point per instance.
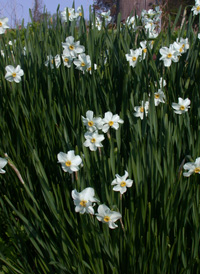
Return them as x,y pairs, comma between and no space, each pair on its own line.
192,167
3,162
108,216
141,110
84,200
69,161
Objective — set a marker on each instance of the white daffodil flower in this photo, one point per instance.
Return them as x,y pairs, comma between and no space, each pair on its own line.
162,83
184,44
69,161
108,216
198,35
49,61
73,47
3,162
140,110
143,45
159,97
83,63
3,24
149,24
92,123
53,60
2,53
107,16
192,167
121,184
196,8
84,200
13,74
112,121
178,47
182,106
133,57
67,58
79,11
93,140
168,55
57,61
98,23
71,14
131,22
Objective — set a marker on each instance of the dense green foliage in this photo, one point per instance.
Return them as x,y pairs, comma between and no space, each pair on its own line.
41,116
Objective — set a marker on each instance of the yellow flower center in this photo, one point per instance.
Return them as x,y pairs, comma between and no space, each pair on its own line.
183,46
83,203
80,14
66,60
141,109
93,140
157,96
14,74
71,47
68,163
52,61
69,13
106,219
144,50
89,69
134,58
169,55
110,123
181,49
152,42
122,184
90,123
182,107
82,64
198,8
197,170
1,24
